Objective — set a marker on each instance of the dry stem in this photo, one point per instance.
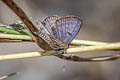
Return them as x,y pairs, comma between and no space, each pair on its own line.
69,51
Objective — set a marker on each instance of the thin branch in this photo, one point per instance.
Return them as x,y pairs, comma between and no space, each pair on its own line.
91,59
75,50
16,37
26,55
87,42
9,75
94,48
9,40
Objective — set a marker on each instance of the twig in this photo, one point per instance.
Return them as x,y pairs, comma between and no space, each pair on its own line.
91,59
26,55
87,42
9,40
94,48
7,76
69,51
16,37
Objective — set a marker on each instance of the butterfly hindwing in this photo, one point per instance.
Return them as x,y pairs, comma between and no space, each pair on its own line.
67,28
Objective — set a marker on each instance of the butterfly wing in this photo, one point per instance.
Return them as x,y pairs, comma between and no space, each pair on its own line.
49,24
50,28
67,28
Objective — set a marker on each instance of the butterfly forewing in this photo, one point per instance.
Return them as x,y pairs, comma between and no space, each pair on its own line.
49,24
67,28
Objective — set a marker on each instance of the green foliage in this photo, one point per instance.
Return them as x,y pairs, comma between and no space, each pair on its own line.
12,31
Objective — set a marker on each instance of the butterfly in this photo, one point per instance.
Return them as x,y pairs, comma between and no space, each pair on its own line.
58,32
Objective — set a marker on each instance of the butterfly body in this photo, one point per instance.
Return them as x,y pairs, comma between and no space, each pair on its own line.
57,44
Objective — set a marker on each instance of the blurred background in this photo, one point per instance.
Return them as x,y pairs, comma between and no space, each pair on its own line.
100,22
